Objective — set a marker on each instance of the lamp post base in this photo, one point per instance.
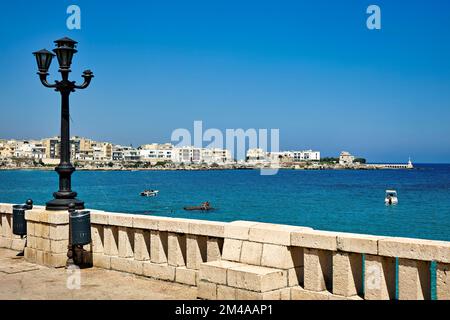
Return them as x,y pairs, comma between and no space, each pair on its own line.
63,204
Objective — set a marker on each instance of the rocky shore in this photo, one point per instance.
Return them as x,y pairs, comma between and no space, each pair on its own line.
142,166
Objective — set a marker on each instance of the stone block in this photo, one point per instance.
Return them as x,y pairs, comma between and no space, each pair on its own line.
97,236
214,248
238,229
232,249
6,208
207,228
40,257
251,252
277,256
101,261
158,246
17,244
414,280
111,241
128,265
6,226
195,251
141,245
145,222
226,293
186,276
5,242
59,232
30,228
32,215
176,249
59,246
126,242
315,239
55,260
42,230
174,225
358,243
271,295
273,233
256,278
347,274
379,278
298,293
31,242
216,271
317,269
159,271
443,281
242,294
295,276
43,244
415,249
120,219
285,294
99,217
207,290
54,217
30,255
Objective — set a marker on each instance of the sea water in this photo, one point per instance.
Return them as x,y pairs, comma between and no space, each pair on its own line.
338,200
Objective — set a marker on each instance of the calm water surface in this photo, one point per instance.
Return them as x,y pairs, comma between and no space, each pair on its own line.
345,200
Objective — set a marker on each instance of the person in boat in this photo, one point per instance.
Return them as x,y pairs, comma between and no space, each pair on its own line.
205,205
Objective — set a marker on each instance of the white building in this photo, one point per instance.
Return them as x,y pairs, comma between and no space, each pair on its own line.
125,153
29,149
345,158
216,155
194,155
256,155
156,152
306,155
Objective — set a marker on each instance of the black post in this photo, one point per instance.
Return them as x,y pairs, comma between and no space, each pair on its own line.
70,248
64,51
64,196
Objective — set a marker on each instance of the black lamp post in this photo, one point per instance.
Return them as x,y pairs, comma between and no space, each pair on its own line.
65,49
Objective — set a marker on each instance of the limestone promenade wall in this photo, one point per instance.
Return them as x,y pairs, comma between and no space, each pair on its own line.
243,259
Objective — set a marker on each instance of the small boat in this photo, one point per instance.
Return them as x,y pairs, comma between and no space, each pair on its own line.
391,197
205,206
149,193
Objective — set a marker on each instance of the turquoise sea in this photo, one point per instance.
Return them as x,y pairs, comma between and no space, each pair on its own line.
344,200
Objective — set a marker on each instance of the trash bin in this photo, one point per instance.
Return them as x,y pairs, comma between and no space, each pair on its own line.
19,222
80,222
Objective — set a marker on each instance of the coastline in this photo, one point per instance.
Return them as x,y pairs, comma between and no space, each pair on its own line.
321,167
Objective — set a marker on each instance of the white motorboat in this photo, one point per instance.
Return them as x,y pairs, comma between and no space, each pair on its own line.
391,197
149,193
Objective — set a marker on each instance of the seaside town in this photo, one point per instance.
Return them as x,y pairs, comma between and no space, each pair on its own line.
87,154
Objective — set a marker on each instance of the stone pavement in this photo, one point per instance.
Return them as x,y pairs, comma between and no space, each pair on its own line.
22,280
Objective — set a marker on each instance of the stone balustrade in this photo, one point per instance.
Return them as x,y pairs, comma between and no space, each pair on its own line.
242,259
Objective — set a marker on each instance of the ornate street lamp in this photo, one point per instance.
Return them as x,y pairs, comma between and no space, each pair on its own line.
65,49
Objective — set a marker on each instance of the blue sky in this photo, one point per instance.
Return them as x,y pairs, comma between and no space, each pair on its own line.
310,68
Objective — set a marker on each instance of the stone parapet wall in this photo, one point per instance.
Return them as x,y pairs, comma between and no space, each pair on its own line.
243,259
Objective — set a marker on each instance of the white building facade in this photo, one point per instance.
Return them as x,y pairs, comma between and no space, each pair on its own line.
194,155
155,152
346,159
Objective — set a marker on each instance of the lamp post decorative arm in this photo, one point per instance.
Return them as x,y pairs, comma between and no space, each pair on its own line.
87,76
43,78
